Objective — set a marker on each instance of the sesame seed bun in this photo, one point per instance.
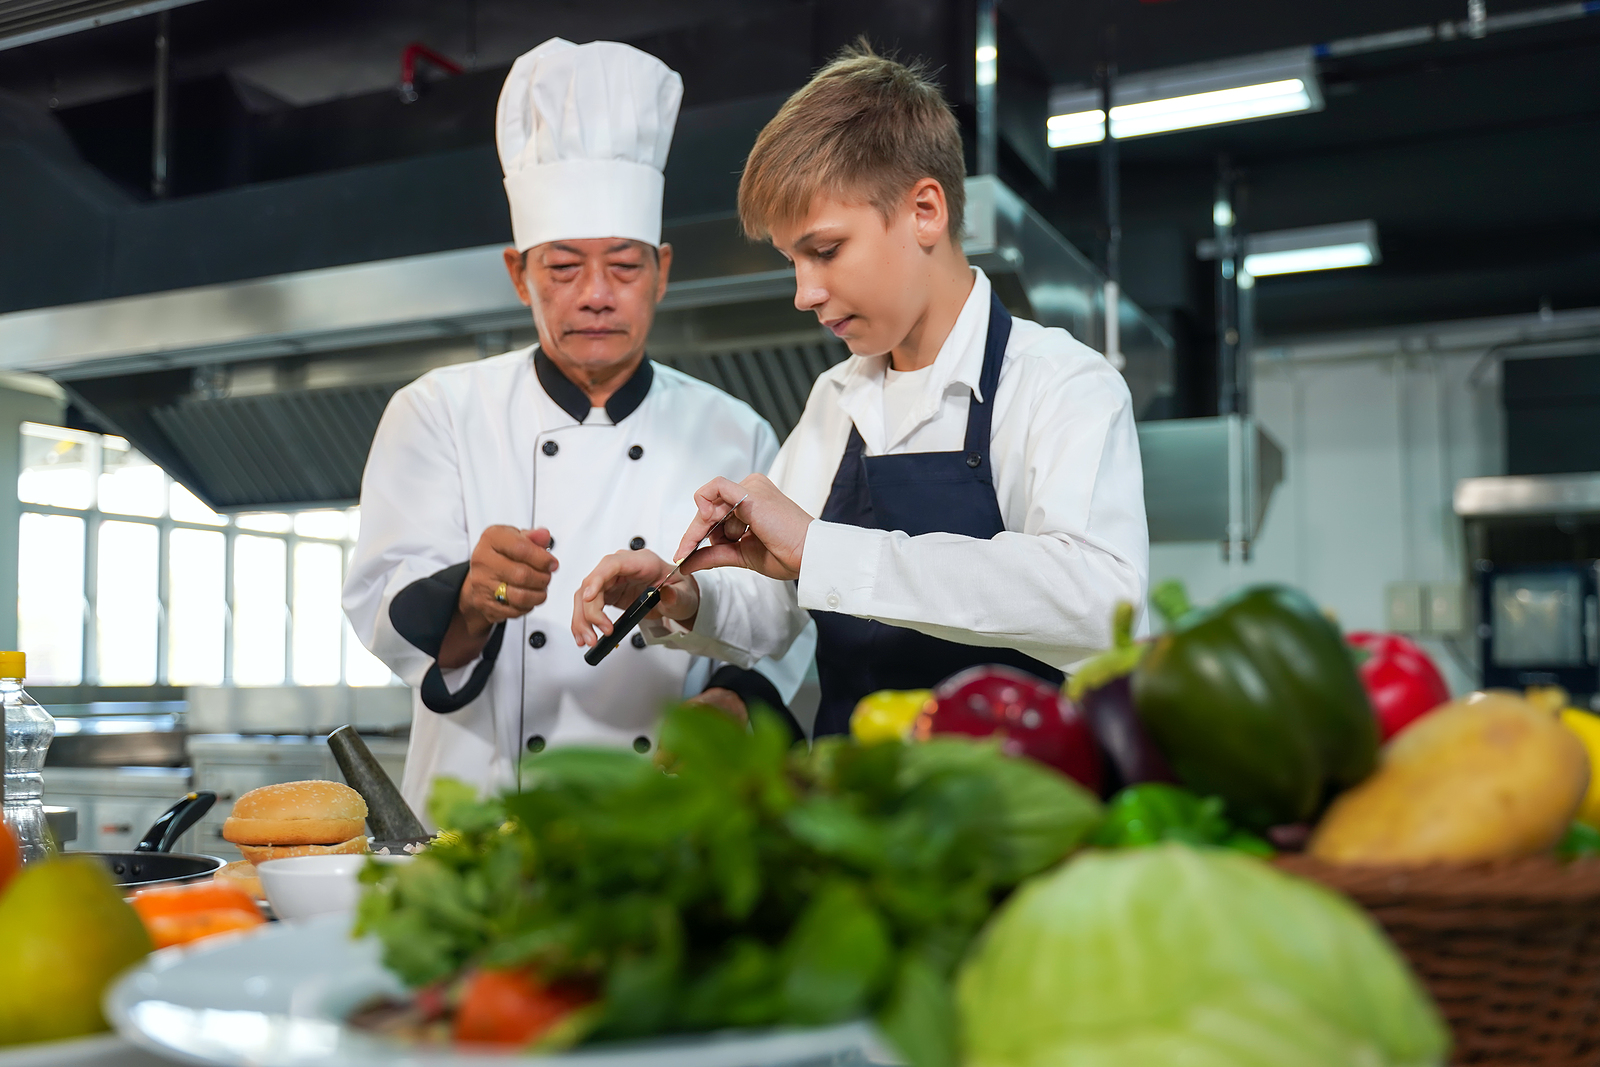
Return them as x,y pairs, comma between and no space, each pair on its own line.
296,813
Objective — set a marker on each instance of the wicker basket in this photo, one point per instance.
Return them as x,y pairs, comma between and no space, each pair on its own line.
1510,951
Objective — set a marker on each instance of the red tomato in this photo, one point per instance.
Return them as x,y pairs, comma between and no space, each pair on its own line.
1400,679
510,1007
1031,717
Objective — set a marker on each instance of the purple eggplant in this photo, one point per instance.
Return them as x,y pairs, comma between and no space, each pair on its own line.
1102,690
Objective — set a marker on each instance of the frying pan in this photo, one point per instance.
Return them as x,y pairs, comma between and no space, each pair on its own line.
152,861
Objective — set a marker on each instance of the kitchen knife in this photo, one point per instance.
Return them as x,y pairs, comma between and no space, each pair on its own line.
647,600
642,605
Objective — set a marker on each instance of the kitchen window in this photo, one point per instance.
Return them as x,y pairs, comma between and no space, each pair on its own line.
125,578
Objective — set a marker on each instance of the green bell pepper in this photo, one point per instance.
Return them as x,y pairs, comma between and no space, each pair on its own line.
1257,701
1581,842
1152,812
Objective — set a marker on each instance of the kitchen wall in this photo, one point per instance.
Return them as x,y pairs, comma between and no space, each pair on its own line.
1374,444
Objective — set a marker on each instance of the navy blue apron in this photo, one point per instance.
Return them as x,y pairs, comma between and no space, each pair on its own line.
917,493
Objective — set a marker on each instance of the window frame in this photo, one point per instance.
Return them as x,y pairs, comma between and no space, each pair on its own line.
93,518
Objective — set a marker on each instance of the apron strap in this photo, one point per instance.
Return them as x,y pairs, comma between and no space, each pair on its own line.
980,414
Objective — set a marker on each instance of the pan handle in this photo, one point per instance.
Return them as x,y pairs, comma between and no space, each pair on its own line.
166,830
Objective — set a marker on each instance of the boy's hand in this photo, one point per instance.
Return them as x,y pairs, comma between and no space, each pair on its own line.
764,531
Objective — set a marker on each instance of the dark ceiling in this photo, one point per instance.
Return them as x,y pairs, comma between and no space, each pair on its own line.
1479,160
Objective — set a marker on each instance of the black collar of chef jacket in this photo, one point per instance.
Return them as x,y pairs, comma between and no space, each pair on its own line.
575,402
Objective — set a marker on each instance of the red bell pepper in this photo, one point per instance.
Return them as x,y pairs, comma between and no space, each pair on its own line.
1031,717
1400,679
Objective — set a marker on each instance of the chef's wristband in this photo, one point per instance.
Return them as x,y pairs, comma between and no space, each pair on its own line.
421,613
754,688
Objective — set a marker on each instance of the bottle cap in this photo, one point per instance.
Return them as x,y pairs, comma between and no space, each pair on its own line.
13,664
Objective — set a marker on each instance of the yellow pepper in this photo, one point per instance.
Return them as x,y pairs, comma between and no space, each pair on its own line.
887,715
1587,727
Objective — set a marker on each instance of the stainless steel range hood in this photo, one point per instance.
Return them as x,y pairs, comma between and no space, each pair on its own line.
265,393
1208,479
1530,495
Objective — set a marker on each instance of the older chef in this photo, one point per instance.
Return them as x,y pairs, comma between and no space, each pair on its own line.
493,487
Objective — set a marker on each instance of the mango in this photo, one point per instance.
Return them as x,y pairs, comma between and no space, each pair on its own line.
1487,777
65,934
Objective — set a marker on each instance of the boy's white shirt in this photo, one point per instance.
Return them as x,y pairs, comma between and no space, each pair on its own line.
1065,459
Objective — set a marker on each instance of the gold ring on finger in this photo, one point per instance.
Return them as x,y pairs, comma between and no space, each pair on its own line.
500,594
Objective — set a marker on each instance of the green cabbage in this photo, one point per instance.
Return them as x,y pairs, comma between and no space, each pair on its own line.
1174,955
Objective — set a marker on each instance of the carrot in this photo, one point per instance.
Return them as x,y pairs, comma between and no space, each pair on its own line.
169,930
195,897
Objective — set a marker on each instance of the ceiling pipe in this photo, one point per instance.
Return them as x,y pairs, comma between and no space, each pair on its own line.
986,68
1111,202
162,135
415,51
1478,24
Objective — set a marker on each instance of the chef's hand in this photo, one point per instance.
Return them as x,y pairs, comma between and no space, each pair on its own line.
519,558
765,532
618,581
726,701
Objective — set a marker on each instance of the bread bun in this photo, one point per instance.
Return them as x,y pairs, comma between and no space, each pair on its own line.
296,813
242,873
290,831
267,853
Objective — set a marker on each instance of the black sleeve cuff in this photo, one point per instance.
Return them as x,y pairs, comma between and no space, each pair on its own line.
436,697
754,688
421,613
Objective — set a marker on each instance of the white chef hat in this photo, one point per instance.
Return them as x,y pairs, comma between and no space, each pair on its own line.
583,133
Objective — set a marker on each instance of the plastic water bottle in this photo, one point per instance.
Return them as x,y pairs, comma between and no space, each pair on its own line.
29,731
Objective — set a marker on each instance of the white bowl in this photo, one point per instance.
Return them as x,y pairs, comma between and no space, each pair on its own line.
302,886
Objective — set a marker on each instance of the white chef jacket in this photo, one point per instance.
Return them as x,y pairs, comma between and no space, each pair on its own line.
480,444
1068,479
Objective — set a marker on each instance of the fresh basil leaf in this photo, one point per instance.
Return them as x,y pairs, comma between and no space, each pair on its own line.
837,957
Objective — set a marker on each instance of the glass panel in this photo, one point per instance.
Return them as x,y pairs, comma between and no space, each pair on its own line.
186,507
50,604
360,666
127,603
329,524
197,606
1537,620
265,521
259,611
317,613
57,466
129,483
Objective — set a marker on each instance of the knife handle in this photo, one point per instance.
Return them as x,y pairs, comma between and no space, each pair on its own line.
624,625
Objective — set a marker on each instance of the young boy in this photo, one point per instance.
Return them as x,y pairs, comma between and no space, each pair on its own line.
965,490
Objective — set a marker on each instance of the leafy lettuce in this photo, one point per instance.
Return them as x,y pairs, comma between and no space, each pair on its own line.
747,885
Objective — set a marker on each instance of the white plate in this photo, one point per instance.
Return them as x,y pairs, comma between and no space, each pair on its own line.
278,997
101,1050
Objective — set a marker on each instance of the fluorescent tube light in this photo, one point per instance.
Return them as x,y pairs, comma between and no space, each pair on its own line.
1344,244
1212,94
1329,257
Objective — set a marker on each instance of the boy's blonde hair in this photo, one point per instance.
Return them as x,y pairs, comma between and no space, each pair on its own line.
866,127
